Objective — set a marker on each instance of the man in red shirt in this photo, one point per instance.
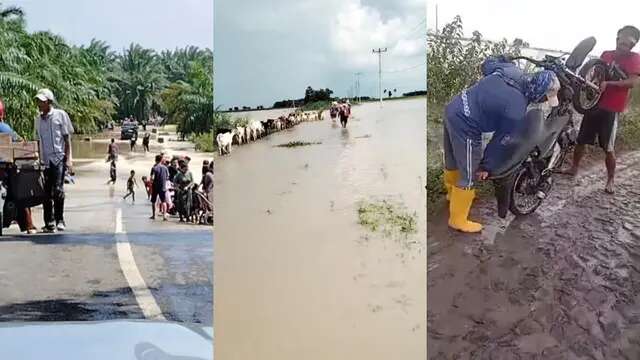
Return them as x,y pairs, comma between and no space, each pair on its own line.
602,123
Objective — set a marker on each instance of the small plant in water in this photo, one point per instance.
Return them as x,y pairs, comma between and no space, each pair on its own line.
386,217
291,144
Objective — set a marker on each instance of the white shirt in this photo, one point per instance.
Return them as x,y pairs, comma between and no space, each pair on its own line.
51,130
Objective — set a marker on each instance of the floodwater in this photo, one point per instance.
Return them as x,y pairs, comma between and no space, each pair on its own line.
296,275
562,283
97,149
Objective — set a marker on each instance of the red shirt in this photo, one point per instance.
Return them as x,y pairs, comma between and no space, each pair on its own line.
615,98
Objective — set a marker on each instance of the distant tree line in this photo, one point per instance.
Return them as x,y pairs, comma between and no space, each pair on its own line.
95,84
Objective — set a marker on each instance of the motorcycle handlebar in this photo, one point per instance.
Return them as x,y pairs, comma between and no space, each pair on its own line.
536,62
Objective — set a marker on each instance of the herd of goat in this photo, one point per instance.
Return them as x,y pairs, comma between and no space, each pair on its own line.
256,129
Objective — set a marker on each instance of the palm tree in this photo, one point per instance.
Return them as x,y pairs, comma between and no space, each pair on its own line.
140,79
11,12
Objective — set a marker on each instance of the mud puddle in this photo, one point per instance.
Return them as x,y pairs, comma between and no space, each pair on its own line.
296,274
562,283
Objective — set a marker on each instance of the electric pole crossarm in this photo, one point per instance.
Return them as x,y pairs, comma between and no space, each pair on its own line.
379,52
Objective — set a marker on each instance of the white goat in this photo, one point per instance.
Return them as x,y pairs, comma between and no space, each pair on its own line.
224,143
239,131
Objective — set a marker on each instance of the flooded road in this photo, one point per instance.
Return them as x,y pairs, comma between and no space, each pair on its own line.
78,274
563,283
296,275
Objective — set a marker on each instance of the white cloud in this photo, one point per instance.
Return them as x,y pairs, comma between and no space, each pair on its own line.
359,29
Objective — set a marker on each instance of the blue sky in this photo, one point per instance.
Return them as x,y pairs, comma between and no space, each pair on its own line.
272,50
157,24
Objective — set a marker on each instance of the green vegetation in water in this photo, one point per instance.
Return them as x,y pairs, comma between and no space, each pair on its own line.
386,217
292,144
204,142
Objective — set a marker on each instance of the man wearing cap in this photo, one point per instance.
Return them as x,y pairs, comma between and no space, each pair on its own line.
602,123
497,103
53,128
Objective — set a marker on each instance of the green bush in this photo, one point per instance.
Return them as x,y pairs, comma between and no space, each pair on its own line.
204,142
317,105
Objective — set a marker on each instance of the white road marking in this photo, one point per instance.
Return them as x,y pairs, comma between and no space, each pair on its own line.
143,295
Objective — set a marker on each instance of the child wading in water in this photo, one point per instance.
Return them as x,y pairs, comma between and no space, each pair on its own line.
112,173
130,183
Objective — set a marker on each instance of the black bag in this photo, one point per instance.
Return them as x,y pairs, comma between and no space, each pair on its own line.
26,186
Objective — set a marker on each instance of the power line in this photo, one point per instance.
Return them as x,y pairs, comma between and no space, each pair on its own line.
406,69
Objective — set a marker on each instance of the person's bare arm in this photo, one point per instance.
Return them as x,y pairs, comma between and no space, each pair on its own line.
67,152
631,82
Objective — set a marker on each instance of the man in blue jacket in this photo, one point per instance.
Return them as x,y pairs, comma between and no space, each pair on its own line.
497,103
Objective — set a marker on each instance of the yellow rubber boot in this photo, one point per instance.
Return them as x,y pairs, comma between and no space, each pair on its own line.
459,207
451,177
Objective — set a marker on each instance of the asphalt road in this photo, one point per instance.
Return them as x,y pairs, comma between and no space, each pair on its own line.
84,273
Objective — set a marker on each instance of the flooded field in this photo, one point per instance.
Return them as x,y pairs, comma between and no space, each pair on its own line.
297,275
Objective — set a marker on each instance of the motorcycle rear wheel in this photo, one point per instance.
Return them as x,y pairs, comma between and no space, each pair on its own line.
586,99
522,183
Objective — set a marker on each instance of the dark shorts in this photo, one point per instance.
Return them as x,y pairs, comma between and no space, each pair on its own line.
158,193
601,125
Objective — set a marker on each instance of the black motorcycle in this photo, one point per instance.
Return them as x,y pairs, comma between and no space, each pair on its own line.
525,179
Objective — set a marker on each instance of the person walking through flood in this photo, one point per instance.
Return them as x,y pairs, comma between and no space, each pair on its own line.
112,151
333,111
53,129
131,183
159,179
112,173
496,103
344,113
602,123
145,142
134,139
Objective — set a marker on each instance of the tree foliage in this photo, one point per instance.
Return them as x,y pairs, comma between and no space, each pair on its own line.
94,84
453,61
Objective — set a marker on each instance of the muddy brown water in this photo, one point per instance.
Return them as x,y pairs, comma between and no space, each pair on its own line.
98,149
296,275
562,283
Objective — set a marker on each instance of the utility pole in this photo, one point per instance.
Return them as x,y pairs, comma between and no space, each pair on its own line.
379,52
358,74
436,18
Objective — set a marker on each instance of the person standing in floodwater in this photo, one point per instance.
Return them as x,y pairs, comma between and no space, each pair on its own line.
131,182
134,139
112,151
345,111
112,173
145,142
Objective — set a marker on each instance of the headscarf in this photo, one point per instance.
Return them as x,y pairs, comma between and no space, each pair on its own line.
539,84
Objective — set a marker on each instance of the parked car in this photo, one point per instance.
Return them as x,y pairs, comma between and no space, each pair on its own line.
129,131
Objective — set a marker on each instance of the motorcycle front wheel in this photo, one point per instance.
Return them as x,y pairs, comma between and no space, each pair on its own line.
586,98
524,199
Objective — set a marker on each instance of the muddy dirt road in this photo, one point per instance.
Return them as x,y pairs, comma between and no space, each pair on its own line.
563,283
297,276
